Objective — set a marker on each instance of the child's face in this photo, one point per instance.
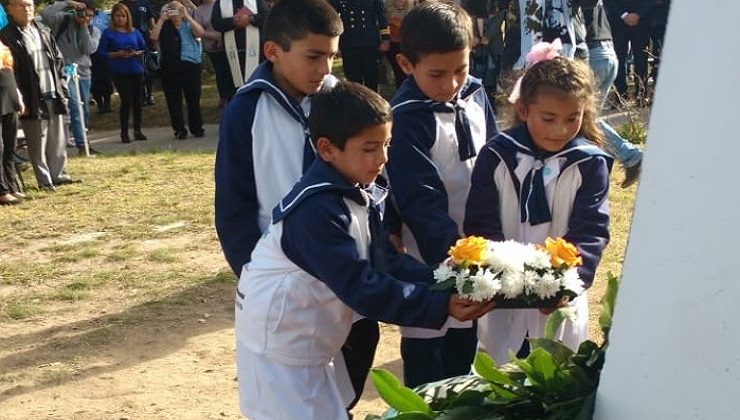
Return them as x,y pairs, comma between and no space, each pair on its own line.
301,71
552,119
439,75
363,157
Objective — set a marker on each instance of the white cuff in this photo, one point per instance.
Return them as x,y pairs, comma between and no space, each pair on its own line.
624,15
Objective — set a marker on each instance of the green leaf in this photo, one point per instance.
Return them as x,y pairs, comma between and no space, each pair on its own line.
396,395
472,412
484,366
412,415
607,304
501,394
444,284
539,367
559,351
554,321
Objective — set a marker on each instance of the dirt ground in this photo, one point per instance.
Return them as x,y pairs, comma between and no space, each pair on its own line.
117,356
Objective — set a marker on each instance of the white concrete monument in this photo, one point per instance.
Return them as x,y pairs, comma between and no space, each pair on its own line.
675,350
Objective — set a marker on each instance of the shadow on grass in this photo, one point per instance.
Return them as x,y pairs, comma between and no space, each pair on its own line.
140,333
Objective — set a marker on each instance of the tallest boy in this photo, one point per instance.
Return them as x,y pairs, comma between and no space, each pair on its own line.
264,146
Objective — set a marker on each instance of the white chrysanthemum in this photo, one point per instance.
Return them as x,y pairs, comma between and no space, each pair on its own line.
539,259
569,312
571,281
512,284
507,256
443,272
462,277
530,278
485,285
547,286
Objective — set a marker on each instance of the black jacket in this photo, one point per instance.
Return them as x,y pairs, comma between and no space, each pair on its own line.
365,23
25,71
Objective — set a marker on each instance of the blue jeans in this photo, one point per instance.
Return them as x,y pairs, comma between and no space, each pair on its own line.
603,62
74,113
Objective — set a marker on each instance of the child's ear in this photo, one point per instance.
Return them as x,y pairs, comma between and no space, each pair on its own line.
325,149
271,50
521,111
404,63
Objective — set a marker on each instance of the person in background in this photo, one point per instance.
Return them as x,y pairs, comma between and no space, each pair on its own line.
11,190
101,86
142,18
630,25
658,21
365,37
604,63
179,41
123,46
39,72
242,18
395,11
214,48
77,39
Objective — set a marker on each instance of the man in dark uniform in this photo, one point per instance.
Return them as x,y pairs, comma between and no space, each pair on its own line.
630,23
366,36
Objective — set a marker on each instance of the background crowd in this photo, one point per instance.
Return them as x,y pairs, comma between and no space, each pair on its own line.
72,54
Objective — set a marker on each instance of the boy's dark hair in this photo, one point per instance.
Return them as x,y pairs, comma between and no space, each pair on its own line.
291,20
435,27
345,110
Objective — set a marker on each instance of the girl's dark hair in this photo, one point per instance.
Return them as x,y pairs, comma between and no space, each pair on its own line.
291,20
566,77
344,111
435,28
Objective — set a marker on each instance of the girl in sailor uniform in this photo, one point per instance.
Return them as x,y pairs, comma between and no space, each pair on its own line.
544,177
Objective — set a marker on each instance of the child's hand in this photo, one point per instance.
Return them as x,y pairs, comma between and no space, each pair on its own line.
464,309
547,311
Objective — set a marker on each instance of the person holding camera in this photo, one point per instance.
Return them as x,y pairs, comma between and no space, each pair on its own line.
39,73
179,42
123,46
77,38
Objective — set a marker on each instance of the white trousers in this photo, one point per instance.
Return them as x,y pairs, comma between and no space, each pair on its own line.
273,391
504,330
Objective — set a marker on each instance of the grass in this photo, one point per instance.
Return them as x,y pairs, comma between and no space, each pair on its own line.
105,236
141,227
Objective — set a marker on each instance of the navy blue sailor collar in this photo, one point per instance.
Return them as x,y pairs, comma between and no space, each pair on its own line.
321,177
262,80
519,140
411,98
534,207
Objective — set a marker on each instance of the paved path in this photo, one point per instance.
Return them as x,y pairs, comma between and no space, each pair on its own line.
161,138
109,142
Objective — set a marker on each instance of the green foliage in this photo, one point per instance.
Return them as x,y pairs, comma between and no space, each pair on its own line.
553,382
635,130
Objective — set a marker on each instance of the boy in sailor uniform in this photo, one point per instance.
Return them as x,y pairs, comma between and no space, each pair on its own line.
321,262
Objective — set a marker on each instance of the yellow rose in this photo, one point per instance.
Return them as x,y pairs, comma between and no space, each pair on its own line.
471,250
562,252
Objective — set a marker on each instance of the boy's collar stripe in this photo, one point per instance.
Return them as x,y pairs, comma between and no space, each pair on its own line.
284,207
410,101
274,89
